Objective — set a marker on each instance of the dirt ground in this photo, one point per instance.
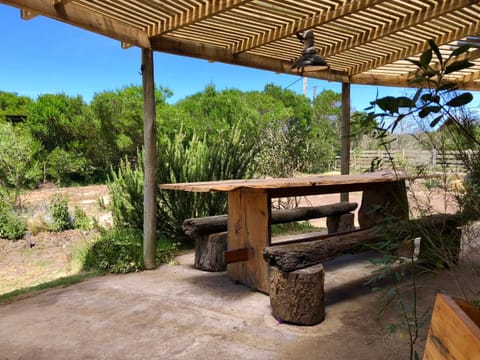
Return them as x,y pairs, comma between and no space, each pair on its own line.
52,253
178,312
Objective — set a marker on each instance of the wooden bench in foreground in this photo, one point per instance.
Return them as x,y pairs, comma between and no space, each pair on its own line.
297,274
209,233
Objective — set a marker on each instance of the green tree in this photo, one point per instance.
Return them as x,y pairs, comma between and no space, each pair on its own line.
13,104
69,134
325,134
18,163
212,113
120,116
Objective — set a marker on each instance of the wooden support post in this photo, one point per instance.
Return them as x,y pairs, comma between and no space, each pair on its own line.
150,162
345,166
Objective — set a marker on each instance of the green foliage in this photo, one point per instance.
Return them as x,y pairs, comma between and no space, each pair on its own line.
18,165
296,227
62,165
12,226
287,142
120,116
60,282
213,113
182,160
13,104
393,269
69,134
126,195
436,97
61,219
438,104
81,220
118,250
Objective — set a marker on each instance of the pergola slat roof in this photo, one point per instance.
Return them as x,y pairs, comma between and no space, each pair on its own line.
364,41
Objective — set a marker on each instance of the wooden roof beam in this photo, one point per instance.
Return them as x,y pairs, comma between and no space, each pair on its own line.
27,14
200,12
408,51
61,2
224,55
79,16
289,29
402,81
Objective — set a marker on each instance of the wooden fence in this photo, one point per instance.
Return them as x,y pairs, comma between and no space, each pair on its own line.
429,160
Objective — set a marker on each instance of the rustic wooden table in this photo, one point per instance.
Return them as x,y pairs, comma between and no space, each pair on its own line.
249,210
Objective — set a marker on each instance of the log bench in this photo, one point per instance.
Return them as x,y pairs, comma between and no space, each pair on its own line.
210,233
297,275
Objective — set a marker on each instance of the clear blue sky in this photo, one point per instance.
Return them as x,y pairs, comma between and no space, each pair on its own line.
41,56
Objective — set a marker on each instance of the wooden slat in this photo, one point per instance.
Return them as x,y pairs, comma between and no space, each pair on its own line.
234,256
200,11
461,31
399,24
316,19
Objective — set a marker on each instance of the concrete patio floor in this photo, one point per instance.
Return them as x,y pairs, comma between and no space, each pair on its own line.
177,312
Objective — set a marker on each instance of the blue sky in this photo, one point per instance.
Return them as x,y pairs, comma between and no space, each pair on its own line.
41,56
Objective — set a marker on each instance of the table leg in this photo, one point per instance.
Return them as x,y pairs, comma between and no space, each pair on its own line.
249,213
386,200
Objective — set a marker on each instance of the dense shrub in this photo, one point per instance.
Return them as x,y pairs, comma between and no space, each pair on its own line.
117,251
12,226
125,187
190,160
60,216
81,220
120,250
181,160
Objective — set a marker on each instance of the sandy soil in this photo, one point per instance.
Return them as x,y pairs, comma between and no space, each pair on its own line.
22,265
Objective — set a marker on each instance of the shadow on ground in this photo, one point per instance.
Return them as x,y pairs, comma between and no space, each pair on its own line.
177,312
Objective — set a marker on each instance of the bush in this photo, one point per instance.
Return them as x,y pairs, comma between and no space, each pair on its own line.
81,220
125,187
120,250
12,226
117,251
181,160
61,219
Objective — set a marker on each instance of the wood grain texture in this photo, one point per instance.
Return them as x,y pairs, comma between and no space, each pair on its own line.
319,184
213,224
297,256
209,250
298,297
453,334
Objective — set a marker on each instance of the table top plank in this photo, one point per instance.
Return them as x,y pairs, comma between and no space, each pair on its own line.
296,182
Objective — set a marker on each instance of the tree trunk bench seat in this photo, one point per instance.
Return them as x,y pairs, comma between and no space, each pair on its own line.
210,236
296,268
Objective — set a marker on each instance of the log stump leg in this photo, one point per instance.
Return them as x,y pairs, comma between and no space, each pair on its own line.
297,297
209,251
340,223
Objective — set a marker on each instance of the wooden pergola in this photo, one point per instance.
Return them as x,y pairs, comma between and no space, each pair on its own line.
363,41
